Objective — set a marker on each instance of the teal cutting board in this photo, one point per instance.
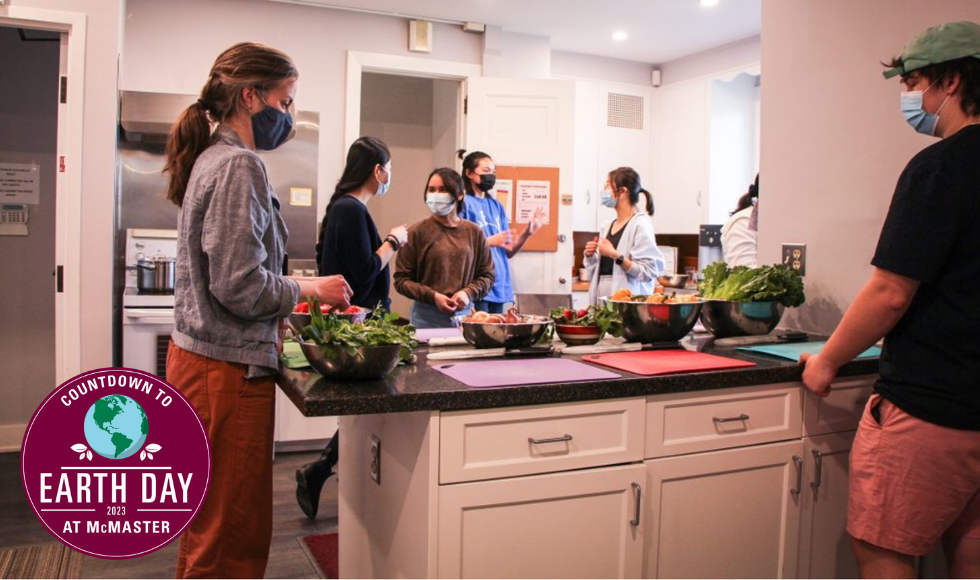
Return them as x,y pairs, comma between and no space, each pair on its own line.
793,350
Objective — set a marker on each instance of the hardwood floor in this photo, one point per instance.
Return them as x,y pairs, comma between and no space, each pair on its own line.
20,527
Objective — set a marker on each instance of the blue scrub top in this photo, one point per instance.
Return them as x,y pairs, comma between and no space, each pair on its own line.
490,215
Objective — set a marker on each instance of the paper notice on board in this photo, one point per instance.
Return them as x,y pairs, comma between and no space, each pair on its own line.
19,183
533,196
503,191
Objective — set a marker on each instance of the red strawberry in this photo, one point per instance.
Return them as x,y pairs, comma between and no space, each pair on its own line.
352,309
583,312
302,308
568,314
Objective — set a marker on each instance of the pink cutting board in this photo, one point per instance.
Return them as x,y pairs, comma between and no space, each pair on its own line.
663,362
500,373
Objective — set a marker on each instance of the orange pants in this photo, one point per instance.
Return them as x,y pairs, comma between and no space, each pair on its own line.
230,536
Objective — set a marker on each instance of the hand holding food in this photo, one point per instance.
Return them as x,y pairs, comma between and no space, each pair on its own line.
444,303
590,247
333,290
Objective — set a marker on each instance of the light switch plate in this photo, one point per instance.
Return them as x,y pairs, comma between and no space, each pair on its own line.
301,196
794,257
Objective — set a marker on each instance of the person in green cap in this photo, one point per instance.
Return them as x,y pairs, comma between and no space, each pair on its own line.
915,463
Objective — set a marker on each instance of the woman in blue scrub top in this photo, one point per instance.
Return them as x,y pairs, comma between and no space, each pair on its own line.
479,177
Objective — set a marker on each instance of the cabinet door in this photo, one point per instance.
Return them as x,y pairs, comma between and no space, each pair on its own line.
680,151
825,547
566,525
723,514
587,183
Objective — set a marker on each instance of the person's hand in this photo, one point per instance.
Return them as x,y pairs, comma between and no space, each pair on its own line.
499,239
333,290
444,303
606,248
537,220
462,299
283,326
817,374
590,247
400,233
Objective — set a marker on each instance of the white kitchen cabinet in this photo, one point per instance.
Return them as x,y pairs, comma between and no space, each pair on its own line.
296,432
577,524
825,547
723,514
680,157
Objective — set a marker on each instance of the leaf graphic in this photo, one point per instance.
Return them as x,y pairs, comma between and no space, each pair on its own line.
89,454
82,456
153,448
142,455
150,455
78,448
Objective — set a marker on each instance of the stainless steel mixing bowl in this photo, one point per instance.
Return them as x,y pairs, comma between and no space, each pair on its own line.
724,318
647,322
505,334
673,280
368,362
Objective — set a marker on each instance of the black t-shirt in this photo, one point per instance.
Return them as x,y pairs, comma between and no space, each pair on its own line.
350,240
606,263
930,365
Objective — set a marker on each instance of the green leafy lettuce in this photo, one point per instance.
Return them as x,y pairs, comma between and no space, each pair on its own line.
772,283
378,329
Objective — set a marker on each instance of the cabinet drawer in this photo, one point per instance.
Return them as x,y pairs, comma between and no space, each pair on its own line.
840,410
495,443
681,423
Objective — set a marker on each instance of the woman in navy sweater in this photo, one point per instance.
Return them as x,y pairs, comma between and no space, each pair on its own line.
349,243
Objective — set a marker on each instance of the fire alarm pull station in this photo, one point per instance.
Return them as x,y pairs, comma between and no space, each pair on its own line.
13,219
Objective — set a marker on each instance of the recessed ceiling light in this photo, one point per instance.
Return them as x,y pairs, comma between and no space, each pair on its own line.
708,3
619,35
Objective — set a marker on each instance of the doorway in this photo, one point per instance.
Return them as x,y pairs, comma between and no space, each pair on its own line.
29,73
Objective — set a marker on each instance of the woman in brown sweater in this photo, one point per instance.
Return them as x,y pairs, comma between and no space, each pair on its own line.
446,263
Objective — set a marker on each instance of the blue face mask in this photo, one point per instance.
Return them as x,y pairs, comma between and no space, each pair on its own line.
606,198
271,128
441,204
383,187
915,115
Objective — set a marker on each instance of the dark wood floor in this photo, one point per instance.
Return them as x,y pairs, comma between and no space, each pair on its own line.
20,527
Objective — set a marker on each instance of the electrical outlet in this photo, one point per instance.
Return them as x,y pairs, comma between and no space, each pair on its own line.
794,257
376,458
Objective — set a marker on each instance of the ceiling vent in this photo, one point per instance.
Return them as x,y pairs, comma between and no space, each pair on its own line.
624,111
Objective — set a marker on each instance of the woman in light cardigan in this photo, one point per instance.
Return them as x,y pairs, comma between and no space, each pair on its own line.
625,253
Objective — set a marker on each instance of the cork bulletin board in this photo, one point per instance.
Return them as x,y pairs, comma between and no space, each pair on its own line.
522,190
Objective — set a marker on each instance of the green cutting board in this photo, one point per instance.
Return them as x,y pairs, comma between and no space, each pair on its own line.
793,350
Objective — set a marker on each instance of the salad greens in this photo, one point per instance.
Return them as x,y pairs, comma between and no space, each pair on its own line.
772,283
603,316
378,329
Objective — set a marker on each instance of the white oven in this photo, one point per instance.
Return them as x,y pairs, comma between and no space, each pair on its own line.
147,319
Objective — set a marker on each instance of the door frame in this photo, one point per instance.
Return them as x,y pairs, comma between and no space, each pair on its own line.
68,183
361,62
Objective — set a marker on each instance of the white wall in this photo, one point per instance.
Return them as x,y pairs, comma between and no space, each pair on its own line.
571,65
832,139
711,62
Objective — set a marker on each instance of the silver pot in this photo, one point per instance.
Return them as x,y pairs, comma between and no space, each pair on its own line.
156,275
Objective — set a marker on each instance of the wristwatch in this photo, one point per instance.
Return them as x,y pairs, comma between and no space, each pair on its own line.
620,259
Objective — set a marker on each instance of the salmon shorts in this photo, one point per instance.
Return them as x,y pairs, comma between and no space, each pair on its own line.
912,481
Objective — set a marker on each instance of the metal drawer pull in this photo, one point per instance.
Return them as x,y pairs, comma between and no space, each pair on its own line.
799,476
818,475
637,497
742,417
567,437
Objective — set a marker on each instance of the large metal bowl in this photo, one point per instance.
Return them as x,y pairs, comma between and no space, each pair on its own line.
505,334
724,318
650,322
673,280
368,362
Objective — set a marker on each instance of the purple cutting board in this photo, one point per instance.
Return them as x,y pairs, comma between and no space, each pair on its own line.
427,333
500,373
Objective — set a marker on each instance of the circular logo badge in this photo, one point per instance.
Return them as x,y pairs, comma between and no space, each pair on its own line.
100,479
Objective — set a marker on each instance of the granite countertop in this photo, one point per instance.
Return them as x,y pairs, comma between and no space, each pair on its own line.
418,387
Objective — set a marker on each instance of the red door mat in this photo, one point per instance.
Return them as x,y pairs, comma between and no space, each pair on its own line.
663,362
322,550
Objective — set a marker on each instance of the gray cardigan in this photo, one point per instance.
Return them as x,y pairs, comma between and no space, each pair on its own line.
639,244
231,245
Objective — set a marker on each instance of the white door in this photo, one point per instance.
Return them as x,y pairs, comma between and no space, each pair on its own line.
825,547
723,514
577,524
529,122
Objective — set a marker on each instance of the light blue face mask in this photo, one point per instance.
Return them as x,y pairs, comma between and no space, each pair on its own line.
916,116
606,198
383,187
440,204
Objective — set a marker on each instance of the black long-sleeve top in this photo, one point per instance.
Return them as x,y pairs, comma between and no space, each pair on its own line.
350,242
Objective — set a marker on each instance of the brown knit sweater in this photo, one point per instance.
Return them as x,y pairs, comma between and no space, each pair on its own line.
442,259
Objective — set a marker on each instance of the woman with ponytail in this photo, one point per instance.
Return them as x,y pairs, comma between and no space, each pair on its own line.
625,253
739,235
230,297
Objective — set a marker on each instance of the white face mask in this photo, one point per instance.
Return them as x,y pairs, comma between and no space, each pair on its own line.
915,115
383,187
440,204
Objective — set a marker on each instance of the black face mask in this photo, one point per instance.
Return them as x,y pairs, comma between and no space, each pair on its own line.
487,181
271,128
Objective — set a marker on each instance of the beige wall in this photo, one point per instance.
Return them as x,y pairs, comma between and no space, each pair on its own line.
832,139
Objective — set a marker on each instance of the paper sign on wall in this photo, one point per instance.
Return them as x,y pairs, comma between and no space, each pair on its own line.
533,196
503,191
19,183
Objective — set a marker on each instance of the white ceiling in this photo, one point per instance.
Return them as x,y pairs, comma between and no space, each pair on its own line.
659,30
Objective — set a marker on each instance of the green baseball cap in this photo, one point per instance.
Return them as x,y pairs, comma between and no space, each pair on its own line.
938,44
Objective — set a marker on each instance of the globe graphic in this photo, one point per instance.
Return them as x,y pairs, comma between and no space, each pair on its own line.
116,427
